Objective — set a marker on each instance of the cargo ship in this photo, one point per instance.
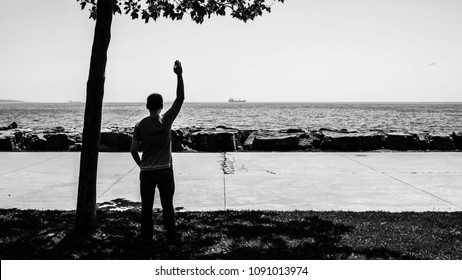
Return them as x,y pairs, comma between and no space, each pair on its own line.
236,100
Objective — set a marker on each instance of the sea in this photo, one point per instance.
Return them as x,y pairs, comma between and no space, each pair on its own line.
401,117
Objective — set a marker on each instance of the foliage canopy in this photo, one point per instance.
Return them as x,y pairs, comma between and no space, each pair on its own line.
175,9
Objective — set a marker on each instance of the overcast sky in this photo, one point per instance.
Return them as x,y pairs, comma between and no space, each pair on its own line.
304,51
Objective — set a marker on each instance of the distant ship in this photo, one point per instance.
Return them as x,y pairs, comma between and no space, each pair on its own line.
236,100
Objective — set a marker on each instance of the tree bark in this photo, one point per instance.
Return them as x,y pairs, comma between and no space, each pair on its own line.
85,216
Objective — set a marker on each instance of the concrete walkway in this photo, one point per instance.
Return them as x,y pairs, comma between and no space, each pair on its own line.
277,181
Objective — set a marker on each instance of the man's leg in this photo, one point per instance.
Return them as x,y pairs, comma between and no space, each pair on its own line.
147,189
166,187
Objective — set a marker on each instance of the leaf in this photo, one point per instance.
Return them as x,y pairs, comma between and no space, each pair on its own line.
117,9
146,16
221,11
134,14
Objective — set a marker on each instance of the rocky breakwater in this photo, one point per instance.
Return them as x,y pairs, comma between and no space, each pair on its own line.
55,139
222,139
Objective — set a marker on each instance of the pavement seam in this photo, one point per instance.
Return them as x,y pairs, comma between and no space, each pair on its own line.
404,182
32,164
118,180
224,167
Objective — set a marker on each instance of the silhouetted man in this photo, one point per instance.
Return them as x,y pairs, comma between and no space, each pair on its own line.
154,135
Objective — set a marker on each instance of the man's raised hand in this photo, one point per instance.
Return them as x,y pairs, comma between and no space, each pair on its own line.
177,68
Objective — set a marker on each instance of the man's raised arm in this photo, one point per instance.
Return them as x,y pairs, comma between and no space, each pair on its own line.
180,86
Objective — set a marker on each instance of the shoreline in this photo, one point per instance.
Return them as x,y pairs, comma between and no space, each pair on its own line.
228,139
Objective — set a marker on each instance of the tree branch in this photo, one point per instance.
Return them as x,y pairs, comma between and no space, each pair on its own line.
175,9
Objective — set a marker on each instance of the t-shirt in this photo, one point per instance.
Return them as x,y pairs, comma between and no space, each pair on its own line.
154,133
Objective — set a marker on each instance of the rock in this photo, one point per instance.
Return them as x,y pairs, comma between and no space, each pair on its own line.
440,142
310,140
351,141
305,144
54,130
401,142
13,125
294,130
19,135
76,137
71,142
322,129
224,127
76,147
421,138
275,141
242,136
176,141
457,140
344,130
248,143
215,140
34,142
57,142
316,138
115,141
184,137
7,143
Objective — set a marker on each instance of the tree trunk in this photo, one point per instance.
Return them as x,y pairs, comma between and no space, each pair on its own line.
85,216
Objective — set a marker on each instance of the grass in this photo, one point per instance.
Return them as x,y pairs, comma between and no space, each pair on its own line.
35,234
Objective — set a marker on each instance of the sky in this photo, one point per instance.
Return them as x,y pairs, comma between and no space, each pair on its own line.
303,51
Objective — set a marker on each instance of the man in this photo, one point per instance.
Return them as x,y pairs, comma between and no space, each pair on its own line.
154,135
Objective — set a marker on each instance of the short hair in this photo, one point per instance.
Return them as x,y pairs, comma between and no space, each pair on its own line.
155,102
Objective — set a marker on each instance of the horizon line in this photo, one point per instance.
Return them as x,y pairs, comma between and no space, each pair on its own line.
169,101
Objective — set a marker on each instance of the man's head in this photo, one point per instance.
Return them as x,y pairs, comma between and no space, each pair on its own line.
155,102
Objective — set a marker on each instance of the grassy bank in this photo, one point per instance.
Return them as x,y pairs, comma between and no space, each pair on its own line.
33,234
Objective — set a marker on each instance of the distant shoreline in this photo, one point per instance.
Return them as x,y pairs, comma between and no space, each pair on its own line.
10,101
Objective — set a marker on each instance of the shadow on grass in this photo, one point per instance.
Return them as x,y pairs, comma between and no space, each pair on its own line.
33,234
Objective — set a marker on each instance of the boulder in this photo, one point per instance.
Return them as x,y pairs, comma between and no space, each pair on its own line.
57,142
351,141
242,136
294,130
224,127
184,137
115,141
248,143
457,140
76,137
13,125
55,130
176,141
215,140
305,144
316,137
310,140
34,142
421,139
19,135
7,143
275,141
440,142
401,142
344,130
